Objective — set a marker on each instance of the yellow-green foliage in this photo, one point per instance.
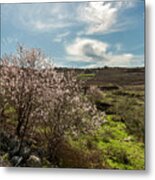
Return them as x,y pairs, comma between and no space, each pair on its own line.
86,76
119,149
127,106
10,113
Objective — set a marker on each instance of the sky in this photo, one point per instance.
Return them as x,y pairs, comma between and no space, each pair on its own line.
78,34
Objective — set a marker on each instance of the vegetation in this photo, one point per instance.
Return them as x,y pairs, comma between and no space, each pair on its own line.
69,118
86,76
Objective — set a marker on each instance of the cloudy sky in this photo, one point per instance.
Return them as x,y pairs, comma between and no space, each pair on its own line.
78,34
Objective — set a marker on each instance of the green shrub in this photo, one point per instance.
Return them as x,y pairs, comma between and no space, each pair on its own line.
119,149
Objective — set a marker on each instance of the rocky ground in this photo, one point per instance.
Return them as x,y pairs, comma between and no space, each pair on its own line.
11,156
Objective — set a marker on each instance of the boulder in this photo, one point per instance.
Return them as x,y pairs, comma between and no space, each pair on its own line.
16,160
33,161
25,152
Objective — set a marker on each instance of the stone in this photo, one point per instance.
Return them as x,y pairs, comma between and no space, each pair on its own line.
25,152
127,139
4,141
34,161
16,160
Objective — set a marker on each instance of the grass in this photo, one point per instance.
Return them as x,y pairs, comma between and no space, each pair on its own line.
119,149
121,139
86,76
127,105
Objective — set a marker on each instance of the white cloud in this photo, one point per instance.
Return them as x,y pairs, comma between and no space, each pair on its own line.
120,60
39,17
44,26
102,17
96,54
87,49
91,17
60,37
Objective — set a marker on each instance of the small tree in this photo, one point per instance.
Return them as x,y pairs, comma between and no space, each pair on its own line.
22,82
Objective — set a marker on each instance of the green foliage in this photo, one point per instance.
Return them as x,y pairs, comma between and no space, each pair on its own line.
119,149
5,157
4,160
128,106
86,76
132,114
10,114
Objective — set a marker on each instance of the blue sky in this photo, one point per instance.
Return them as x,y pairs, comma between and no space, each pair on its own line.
78,34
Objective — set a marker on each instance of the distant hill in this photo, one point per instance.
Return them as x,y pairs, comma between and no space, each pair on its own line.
115,75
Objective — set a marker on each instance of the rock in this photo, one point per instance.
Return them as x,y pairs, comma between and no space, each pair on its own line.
34,161
40,152
8,143
104,121
25,152
4,141
16,160
127,139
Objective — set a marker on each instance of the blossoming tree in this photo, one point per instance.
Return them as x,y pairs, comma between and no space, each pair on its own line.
43,97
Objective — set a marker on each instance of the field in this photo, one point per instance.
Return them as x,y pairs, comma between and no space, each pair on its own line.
121,138
117,143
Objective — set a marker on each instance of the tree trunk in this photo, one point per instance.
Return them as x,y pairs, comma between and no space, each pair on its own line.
18,129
